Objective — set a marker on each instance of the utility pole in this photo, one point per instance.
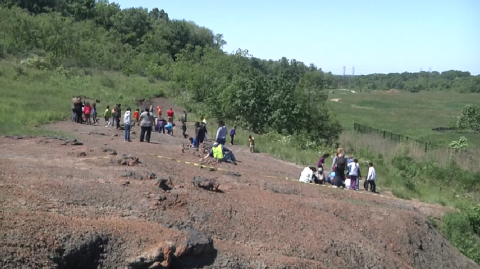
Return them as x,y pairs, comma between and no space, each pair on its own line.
353,75
344,76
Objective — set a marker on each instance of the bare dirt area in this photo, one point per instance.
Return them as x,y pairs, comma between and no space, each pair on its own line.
100,202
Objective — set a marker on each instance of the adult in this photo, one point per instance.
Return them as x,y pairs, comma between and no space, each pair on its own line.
127,122
371,178
200,134
119,114
221,153
354,173
340,166
307,175
146,123
74,115
170,115
221,137
78,109
159,111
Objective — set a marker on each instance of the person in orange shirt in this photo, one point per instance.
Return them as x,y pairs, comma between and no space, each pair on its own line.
159,109
136,116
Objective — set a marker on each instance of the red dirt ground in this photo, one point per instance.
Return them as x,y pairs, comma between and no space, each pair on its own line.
63,211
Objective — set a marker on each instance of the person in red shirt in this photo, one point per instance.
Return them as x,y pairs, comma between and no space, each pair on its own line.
170,115
136,116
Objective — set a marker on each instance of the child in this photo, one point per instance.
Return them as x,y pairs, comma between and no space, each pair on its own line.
136,115
161,125
107,114
114,115
87,110
169,128
232,134
95,119
193,142
184,129
371,178
251,140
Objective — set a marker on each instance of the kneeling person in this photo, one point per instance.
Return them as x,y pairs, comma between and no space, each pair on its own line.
221,153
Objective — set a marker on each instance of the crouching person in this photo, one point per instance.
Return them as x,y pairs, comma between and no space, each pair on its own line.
221,153
308,175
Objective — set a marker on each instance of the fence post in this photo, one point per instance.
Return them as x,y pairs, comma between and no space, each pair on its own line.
426,147
383,132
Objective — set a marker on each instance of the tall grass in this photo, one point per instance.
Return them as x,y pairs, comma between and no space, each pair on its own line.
30,97
468,159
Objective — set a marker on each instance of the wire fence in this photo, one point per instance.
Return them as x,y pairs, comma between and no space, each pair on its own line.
428,145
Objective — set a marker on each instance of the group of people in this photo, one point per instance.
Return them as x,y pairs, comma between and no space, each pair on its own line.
83,112
345,173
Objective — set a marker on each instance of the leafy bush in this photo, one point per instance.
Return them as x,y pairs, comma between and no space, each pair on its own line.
461,228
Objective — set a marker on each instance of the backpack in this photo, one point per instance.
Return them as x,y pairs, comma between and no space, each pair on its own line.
341,163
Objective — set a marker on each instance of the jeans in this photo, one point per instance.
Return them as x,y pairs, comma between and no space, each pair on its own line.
372,185
74,115
127,132
221,141
229,156
231,139
339,178
356,184
145,133
118,123
161,129
78,117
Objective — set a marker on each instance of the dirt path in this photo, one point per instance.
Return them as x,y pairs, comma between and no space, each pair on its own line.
64,203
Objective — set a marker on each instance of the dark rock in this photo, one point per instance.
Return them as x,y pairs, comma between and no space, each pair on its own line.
235,174
162,183
82,154
195,243
133,175
162,197
205,183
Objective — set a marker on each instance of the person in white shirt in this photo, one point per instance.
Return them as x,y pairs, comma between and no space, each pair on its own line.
307,175
354,168
371,178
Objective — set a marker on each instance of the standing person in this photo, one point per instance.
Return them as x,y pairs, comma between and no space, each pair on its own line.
146,121
371,178
94,113
74,115
184,129
161,125
114,115
202,131
127,121
185,116
354,172
136,115
159,111
78,109
107,114
340,167
251,141
87,110
119,114
221,137
232,134
170,115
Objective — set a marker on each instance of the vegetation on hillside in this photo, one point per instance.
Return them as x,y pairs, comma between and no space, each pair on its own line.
71,46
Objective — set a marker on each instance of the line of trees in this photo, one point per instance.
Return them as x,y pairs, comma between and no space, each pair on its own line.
284,96
452,80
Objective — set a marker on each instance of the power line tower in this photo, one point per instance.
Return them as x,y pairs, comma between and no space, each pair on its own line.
344,81
353,75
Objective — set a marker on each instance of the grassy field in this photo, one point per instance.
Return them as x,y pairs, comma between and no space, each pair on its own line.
30,97
410,114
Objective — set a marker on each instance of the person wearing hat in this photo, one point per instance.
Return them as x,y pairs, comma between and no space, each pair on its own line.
221,153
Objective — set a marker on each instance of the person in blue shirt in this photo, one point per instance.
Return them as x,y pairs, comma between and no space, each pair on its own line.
193,142
169,128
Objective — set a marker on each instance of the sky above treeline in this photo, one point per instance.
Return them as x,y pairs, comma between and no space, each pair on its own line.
370,36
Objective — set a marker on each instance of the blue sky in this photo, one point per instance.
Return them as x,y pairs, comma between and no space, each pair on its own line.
374,36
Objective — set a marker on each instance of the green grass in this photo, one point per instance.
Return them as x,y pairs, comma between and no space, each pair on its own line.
31,97
409,114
